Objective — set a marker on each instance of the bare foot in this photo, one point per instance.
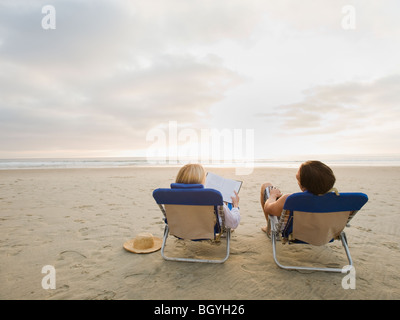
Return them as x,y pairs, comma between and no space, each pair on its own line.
267,229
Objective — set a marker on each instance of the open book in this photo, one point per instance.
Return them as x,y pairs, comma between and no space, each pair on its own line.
223,185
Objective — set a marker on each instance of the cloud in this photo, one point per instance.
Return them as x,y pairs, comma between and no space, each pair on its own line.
99,32
353,117
180,88
344,113
373,18
112,70
109,113
107,74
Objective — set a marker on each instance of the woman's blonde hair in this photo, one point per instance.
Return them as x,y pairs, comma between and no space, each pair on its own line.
191,173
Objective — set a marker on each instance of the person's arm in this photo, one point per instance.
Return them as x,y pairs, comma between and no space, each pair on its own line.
262,198
232,217
274,204
235,200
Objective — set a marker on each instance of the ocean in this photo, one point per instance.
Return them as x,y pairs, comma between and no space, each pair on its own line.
283,162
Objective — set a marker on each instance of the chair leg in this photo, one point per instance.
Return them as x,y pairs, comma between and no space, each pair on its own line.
346,247
166,232
344,242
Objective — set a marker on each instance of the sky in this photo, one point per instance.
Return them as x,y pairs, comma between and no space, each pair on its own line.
121,78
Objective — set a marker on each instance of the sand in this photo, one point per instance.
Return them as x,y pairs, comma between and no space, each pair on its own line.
77,220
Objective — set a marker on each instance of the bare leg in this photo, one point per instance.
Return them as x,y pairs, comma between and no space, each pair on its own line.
263,198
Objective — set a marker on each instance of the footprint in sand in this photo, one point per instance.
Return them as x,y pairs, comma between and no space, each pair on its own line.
391,245
84,231
363,229
105,295
69,253
253,267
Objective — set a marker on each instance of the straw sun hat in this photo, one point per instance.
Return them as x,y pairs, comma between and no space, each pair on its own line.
143,243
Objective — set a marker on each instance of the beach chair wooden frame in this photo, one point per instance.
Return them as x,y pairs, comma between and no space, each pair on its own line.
191,213
315,220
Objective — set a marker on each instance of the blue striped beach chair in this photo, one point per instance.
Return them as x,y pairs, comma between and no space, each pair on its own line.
192,212
315,220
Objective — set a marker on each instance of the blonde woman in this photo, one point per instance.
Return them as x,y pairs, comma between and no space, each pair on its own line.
195,174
